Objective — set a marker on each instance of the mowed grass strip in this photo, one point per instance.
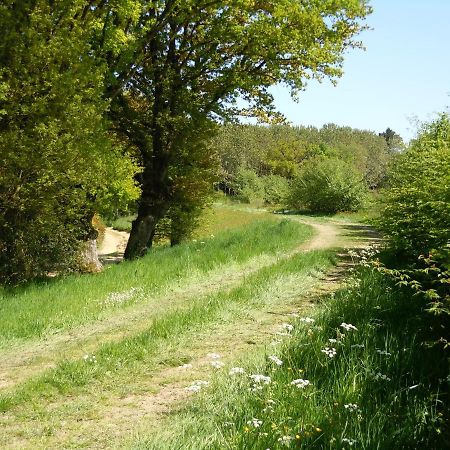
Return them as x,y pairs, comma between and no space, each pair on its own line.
42,309
354,375
132,355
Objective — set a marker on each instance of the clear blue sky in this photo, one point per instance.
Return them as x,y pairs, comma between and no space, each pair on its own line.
403,74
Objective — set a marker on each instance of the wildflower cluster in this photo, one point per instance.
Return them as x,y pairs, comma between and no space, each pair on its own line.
197,386
119,298
89,358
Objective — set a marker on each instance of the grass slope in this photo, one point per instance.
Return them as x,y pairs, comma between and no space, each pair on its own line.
42,309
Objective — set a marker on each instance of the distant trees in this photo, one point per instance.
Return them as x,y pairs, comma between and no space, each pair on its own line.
251,154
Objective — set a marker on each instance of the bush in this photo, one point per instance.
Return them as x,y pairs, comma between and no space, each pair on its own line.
416,206
328,185
276,189
248,186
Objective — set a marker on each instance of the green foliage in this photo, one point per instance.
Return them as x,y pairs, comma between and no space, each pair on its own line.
282,150
416,207
416,221
248,186
58,161
328,185
277,189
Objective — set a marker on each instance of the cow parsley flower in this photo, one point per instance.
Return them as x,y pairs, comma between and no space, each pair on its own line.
352,407
348,326
197,386
300,383
307,320
276,360
217,364
255,422
330,352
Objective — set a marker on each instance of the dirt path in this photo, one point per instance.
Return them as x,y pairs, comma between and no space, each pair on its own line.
25,360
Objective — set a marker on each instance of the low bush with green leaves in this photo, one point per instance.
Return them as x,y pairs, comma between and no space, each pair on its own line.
328,185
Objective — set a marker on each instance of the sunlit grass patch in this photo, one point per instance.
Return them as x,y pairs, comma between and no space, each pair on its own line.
145,350
354,375
41,309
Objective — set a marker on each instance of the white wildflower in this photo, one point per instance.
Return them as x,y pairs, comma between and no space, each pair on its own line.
350,442
285,440
383,352
255,422
185,366
217,364
236,371
380,376
348,326
118,298
90,358
197,385
330,352
352,407
287,326
263,379
300,383
307,320
332,341
276,360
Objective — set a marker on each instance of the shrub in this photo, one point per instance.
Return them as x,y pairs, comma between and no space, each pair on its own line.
248,186
328,185
416,206
276,189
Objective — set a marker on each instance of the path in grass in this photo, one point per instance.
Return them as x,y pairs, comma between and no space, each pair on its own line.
148,397
25,360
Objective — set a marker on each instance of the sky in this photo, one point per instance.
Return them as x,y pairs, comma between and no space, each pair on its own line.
402,77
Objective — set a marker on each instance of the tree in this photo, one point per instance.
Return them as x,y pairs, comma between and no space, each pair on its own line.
328,185
393,140
416,204
58,161
175,65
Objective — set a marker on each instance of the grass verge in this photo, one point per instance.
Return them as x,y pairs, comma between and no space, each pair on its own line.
356,375
41,309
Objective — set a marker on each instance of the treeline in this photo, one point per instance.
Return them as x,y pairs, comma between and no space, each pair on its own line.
326,169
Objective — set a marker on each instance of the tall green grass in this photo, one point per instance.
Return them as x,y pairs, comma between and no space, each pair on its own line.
383,389
174,330
40,309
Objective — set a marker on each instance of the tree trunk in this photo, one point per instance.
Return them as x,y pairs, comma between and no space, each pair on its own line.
141,236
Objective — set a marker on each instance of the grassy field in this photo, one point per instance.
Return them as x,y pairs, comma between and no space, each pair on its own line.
75,403
231,341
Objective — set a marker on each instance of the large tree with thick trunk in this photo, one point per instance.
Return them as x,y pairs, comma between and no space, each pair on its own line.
176,65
